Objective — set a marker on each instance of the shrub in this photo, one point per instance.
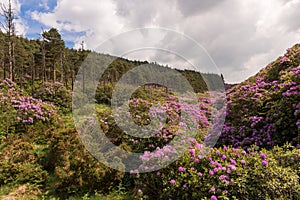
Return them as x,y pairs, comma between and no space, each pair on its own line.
55,93
19,164
226,173
265,109
73,169
19,112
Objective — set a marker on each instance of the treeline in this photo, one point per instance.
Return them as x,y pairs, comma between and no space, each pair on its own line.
41,60
48,60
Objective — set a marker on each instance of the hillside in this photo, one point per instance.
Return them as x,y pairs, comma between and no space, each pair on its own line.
265,108
44,156
48,60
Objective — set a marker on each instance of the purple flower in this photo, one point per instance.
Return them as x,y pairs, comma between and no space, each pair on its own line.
211,172
284,59
243,161
213,197
199,174
134,171
232,161
192,152
216,169
198,146
223,157
181,169
263,156
213,189
140,191
222,177
264,162
172,181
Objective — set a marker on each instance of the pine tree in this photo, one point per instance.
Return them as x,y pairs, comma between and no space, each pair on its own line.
54,47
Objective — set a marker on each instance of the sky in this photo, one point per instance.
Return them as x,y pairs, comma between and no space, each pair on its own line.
241,37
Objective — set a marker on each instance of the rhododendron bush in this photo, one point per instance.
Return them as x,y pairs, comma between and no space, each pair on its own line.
207,173
257,153
265,109
18,110
225,173
165,117
55,93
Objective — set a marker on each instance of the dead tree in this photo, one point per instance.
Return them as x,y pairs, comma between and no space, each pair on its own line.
9,27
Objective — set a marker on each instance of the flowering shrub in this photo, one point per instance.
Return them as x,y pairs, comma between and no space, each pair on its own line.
18,111
165,118
264,110
55,93
223,173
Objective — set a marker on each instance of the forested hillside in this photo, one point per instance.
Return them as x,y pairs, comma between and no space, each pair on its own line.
48,60
43,156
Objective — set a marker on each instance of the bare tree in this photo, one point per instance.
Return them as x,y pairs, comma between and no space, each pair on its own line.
83,69
9,26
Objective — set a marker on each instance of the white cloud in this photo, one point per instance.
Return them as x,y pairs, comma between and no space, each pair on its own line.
241,36
96,18
21,26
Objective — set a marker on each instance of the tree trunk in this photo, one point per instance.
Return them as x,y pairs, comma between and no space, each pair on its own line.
54,72
10,58
32,74
8,26
43,63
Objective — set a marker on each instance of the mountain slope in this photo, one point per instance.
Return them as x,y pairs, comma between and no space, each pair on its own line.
265,109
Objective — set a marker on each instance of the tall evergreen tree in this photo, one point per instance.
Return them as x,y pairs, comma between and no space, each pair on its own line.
54,47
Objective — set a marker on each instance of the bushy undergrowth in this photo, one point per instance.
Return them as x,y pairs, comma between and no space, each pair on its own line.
61,169
19,163
224,173
73,170
21,113
265,109
55,93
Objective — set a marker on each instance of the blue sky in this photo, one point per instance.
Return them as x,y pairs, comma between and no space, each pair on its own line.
241,37
34,27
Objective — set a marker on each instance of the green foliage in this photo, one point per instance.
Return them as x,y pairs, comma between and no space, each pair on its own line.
7,119
55,93
227,173
265,109
19,165
61,167
104,93
73,170
21,113
287,156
